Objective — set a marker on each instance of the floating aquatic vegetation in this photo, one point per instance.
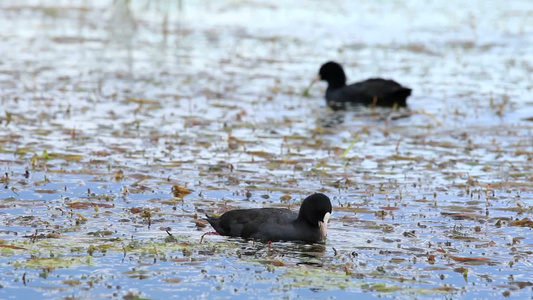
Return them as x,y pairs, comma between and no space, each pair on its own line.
116,143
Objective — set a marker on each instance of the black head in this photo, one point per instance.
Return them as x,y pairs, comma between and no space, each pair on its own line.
333,73
314,208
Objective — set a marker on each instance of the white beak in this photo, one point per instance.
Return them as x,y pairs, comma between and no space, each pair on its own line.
323,226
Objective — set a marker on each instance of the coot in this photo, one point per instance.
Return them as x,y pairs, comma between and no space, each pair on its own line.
278,224
374,91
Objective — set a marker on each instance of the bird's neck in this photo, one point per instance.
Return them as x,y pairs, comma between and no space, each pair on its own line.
302,220
334,85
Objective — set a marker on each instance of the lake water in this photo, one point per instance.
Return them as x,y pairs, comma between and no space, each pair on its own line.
123,122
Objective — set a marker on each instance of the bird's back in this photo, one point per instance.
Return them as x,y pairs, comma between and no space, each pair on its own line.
265,224
374,91
261,223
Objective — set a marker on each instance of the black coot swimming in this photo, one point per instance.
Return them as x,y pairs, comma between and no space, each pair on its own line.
374,91
278,224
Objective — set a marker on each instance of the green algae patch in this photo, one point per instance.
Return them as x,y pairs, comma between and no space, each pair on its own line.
382,288
320,278
55,262
72,282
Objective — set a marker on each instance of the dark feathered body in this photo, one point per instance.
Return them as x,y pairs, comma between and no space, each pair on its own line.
375,91
264,224
276,224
